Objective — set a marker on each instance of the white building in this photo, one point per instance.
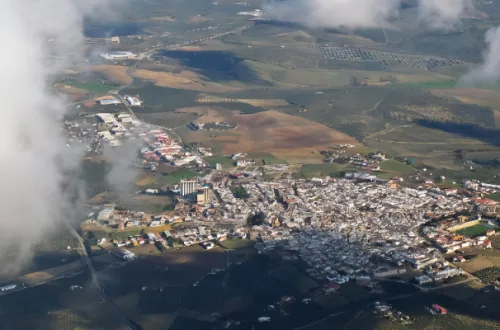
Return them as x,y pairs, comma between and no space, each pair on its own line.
255,13
8,287
109,101
133,101
105,213
188,187
118,56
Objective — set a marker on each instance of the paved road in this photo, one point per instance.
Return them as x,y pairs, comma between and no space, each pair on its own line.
99,290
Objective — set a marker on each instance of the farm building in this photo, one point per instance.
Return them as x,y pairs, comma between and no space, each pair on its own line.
109,101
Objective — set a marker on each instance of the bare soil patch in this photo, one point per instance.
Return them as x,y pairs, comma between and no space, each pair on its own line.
199,19
480,262
184,80
116,74
285,136
73,92
484,97
204,98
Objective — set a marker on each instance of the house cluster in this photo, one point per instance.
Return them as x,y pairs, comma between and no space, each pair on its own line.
115,127
124,219
159,146
206,235
342,229
335,152
386,311
368,162
440,272
79,132
483,187
447,238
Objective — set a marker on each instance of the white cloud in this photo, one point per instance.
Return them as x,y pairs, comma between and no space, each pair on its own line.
443,14
334,13
34,159
488,71
435,14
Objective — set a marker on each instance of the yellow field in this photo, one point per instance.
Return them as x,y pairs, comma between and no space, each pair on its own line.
484,97
204,98
199,19
50,274
116,74
479,262
285,136
73,92
496,116
184,80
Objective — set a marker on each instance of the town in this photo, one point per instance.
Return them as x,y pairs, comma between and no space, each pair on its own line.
343,228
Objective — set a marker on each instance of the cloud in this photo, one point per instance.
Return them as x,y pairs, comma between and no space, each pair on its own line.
35,163
123,173
334,13
443,14
435,14
488,72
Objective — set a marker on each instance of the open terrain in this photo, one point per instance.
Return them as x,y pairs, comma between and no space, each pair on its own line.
288,137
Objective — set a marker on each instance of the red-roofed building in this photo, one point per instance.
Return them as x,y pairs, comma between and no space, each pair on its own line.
483,201
439,309
332,286
163,138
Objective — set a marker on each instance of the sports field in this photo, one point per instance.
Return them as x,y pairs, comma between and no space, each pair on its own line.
473,231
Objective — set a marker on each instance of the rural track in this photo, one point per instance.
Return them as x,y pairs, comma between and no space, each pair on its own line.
99,290
386,36
375,107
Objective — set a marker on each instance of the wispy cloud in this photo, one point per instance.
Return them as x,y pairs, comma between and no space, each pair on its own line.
334,13
488,72
35,162
435,14
443,14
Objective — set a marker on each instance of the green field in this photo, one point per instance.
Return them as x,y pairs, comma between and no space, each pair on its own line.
473,231
154,204
308,171
495,197
101,233
268,158
237,243
177,176
396,166
225,161
92,87
161,179
433,84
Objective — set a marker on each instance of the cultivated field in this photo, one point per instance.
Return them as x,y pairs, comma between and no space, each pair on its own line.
288,137
116,74
484,97
204,98
158,179
480,262
186,80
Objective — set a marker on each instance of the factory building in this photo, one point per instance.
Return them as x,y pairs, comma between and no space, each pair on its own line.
204,196
188,187
109,101
122,253
8,287
133,101
106,213
119,56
